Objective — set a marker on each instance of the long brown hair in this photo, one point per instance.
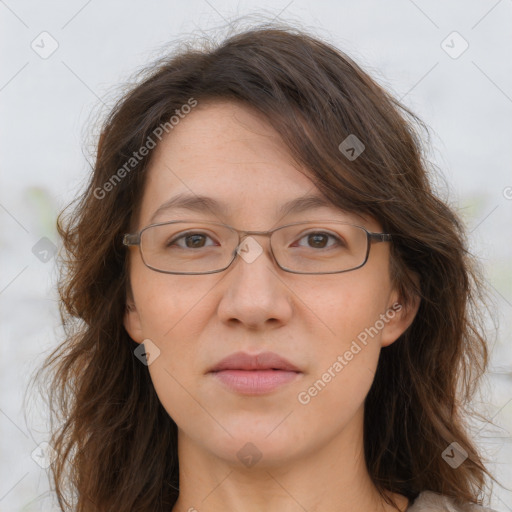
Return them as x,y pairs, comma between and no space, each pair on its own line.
116,446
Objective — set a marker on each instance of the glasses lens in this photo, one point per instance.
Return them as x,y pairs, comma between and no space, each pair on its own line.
188,247
320,247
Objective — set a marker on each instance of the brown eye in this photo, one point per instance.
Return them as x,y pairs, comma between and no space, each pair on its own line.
195,240
320,240
317,240
191,241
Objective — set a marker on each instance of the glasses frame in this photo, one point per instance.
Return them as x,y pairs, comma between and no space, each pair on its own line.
134,239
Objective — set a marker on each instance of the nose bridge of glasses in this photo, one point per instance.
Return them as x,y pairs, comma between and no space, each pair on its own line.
243,235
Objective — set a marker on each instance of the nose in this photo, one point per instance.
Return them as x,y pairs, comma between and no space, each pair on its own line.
254,293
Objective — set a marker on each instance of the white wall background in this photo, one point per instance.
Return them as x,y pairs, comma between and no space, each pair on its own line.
45,105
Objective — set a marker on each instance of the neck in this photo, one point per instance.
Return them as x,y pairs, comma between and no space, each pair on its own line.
332,477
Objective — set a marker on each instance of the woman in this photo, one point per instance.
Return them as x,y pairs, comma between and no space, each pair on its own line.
268,307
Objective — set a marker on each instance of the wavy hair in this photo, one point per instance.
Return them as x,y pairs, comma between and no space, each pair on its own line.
115,445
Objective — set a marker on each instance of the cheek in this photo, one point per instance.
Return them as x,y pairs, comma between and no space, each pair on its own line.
345,307
172,314
175,387
344,322
166,303
345,358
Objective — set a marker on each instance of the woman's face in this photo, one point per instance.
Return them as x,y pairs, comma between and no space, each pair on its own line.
329,327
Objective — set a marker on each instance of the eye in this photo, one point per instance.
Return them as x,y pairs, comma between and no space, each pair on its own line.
192,240
319,239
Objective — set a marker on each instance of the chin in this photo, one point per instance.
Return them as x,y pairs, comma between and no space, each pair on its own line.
250,445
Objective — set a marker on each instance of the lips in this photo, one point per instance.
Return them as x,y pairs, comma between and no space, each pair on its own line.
262,361
258,374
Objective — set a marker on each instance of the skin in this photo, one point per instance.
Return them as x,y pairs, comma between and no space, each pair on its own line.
311,455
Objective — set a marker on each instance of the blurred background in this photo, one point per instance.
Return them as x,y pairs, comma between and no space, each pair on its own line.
63,64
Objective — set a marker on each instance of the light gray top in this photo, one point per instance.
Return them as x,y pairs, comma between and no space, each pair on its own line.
428,501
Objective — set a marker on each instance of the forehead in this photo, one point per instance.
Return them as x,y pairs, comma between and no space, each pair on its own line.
229,152
223,149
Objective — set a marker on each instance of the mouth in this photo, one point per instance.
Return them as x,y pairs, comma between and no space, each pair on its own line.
254,374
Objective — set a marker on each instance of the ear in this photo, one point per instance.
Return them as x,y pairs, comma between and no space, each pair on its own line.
131,320
398,318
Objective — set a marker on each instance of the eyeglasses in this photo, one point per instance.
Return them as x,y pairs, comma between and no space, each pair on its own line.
204,247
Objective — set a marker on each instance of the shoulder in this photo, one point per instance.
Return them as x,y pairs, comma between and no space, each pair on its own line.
428,501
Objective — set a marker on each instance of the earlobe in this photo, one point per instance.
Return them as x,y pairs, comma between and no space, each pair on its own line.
132,322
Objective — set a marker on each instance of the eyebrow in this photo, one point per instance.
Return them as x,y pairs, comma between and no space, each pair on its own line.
205,204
